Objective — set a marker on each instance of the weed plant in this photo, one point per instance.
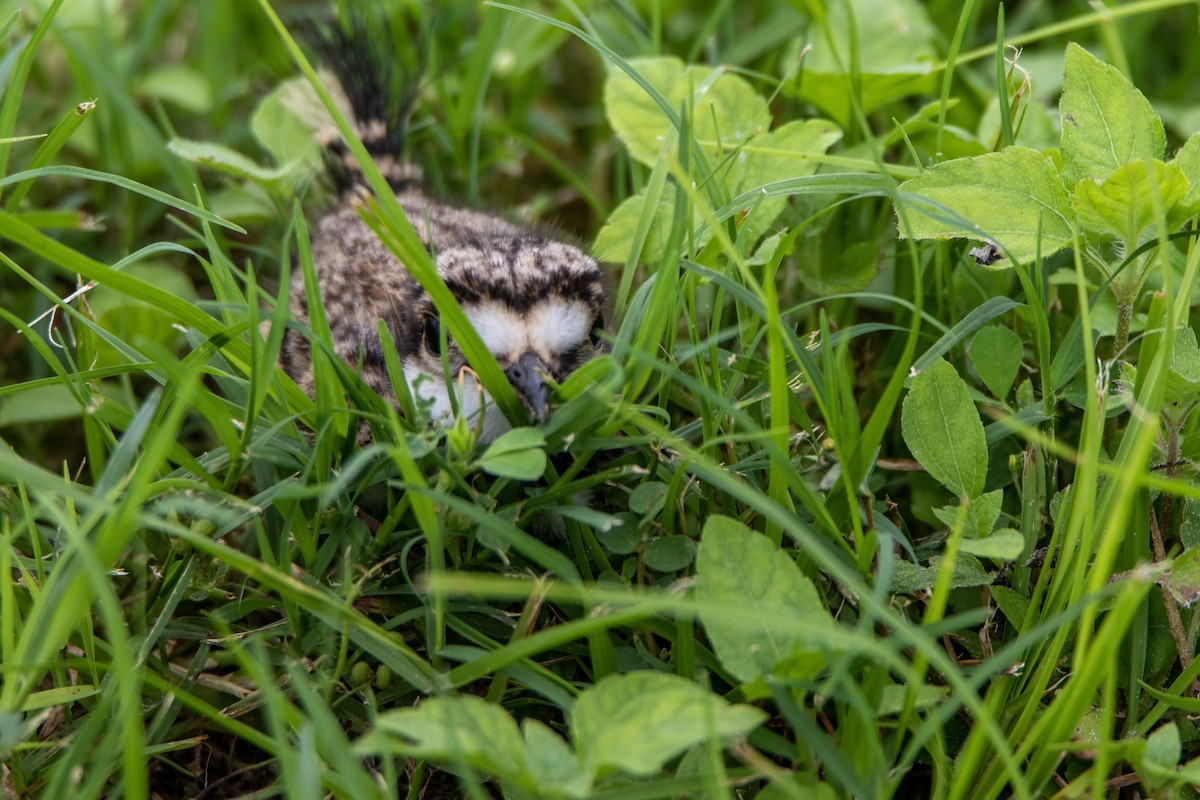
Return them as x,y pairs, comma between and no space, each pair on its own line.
886,488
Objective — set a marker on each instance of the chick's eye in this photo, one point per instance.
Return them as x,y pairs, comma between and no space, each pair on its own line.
597,331
432,336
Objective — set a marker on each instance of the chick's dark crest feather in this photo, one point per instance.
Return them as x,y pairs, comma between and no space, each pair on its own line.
535,301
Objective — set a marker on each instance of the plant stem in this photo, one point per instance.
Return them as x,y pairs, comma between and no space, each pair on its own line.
1183,643
1124,315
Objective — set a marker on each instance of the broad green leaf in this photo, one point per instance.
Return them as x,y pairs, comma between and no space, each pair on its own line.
623,538
179,84
1189,530
596,377
553,765
1123,205
1006,197
844,257
1005,544
519,454
648,498
515,440
910,577
287,120
1078,391
785,153
982,514
976,319
1106,121
740,569
894,698
615,239
956,142
39,404
1090,727
455,728
1188,160
894,44
724,107
133,320
1162,752
1039,126
669,553
768,157
942,428
245,203
1189,773
1183,579
766,250
1012,603
996,352
1183,375
921,130
636,722
788,786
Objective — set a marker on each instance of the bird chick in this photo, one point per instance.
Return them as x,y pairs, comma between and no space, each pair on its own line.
536,302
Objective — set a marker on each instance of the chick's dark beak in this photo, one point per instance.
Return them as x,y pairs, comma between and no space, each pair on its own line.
526,377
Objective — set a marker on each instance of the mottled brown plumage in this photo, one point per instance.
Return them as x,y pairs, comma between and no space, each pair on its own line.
535,301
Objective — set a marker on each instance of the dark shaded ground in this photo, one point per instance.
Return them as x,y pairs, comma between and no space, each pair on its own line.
224,767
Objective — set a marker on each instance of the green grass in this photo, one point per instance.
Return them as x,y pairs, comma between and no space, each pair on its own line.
728,575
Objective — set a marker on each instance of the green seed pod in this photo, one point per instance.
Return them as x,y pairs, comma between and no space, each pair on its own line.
360,674
383,677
